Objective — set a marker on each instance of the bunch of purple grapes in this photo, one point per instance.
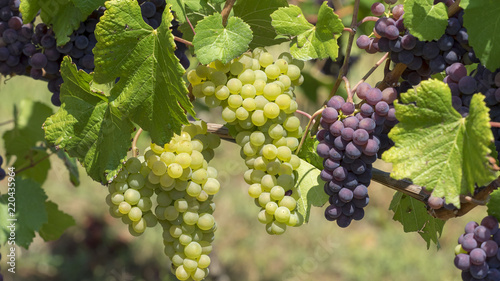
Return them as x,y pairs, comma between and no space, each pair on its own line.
14,36
2,171
477,254
349,147
422,58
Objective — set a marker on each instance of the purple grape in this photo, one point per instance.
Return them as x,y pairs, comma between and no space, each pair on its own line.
348,108
479,271
491,223
482,234
477,256
373,96
490,247
323,150
462,261
467,85
378,9
363,42
408,42
332,212
340,173
360,137
336,128
330,115
336,102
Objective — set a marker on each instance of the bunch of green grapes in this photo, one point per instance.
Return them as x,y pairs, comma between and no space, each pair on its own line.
129,197
256,94
184,187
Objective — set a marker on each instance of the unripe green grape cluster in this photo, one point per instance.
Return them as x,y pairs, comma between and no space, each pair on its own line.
257,99
129,197
185,186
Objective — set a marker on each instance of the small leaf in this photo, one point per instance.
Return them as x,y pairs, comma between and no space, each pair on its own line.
309,154
413,215
257,14
57,223
213,41
435,147
151,91
70,163
310,42
484,38
63,15
86,128
310,188
425,20
494,204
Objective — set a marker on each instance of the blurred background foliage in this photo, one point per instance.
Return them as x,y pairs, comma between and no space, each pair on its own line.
100,247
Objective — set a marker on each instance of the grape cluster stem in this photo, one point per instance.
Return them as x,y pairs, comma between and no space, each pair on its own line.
135,150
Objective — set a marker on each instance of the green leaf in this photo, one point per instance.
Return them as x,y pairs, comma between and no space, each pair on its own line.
151,91
437,148
57,223
63,15
484,37
70,163
413,215
310,189
425,20
309,154
86,127
30,210
23,139
310,42
195,13
257,14
494,204
213,41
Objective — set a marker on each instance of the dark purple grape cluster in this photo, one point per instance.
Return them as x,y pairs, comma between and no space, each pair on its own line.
477,252
421,58
14,39
2,171
349,147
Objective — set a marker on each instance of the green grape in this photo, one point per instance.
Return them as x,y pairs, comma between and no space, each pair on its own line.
272,91
249,104
285,169
145,169
167,182
193,78
269,151
175,231
265,217
170,213
264,198
117,198
175,170
184,146
181,273
204,261
272,71
221,66
196,159
205,221
254,190
282,214
271,207
213,141
132,196
268,182
260,163
178,258
126,219
278,227
212,101
273,167
193,250
294,219
190,218
260,75
271,110
181,205
293,72
291,124
152,160
160,212
234,85
152,178
295,162
249,149
199,274
198,91
163,199
288,202
258,118
248,91
242,114
247,77
236,68
257,138
256,176
285,80
136,181
292,143
202,197
211,186
282,64
133,165
259,85
212,172
218,77
185,239
167,158
146,192
246,124
234,101
246,60
190,265
283,101
222,92
150,219
277,193
135,214
139,226
266,59
124,207
286,56
284,153
159,167
193,189
276,131
208,88
202,71
200,176
228,114
183,159
188,229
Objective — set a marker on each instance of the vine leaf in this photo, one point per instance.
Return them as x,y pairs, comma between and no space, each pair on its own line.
484,38
86,127
413,215
213,41
310,189
23,139
425,20
30,212
257,14
309,41
63,15
494,204
309,154
435,147
57,222
150,90
70,163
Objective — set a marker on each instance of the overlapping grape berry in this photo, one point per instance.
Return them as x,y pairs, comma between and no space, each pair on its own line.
2,171
256,94
477,252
